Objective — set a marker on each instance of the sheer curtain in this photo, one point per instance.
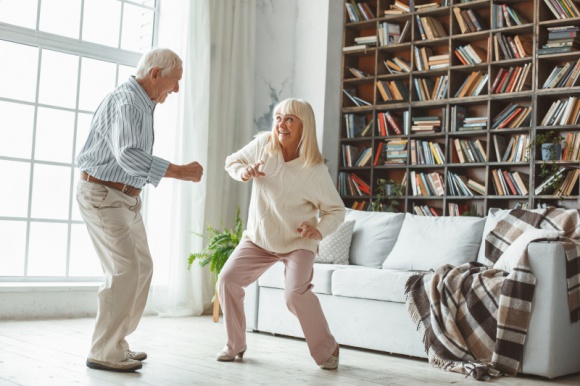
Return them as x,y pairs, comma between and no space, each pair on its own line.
209,118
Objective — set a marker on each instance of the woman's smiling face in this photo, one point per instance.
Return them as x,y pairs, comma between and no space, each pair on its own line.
289,129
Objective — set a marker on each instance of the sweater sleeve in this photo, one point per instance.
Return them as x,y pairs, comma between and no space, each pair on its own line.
329,203
236,162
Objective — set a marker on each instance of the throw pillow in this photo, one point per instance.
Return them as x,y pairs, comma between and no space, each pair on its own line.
374,236
335,247
426,243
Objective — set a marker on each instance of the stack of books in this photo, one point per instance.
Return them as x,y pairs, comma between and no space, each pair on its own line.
469,54
398,7
426,210
393,90
507,183
389,33
572,148
513,116
350,184
516,149
563,76
364,157
504,15
390,124
511,47
458,185
430,28
513,79
473,85
359,11
398,65
469,20
473,123
568,184
427,184
565,111
356,100
428,90
561,39
438,61
429,124
469,150
357,73
563,9
366,40
396,151
356,125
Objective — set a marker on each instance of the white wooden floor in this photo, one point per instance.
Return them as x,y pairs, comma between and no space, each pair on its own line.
182,350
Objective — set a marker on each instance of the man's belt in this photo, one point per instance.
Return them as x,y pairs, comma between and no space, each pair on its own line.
127,189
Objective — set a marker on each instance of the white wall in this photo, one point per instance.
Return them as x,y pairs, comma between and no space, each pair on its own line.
298,54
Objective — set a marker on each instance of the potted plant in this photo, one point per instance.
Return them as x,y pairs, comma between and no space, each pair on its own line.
551,146
389,190
221,244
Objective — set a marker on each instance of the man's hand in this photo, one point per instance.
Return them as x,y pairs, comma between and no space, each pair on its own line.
307,231
190,172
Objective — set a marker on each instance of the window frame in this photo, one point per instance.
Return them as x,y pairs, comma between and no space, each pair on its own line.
82,49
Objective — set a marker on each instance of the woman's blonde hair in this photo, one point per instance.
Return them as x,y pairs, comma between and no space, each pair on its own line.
308,146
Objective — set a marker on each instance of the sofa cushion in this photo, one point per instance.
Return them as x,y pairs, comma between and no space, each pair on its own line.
373,237
335,248
274,277
426,243
371,283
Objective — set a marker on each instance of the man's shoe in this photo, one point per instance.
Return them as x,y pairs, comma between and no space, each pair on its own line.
224,357
332,362
135,355
126,366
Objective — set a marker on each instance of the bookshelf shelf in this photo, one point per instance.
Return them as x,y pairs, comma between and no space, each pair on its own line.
455,92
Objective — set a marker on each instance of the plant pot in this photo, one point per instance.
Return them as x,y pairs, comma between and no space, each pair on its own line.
551,151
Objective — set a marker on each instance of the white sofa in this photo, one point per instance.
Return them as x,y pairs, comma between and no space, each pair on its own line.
364,300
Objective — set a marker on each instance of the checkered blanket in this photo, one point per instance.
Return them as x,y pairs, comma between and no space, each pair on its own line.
473,318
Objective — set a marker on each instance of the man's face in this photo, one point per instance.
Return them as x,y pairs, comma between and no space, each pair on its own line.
166,84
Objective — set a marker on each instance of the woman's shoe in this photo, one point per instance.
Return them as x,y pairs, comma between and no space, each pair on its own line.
224,357
332,362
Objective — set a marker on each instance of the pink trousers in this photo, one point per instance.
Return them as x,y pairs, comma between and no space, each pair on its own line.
245,265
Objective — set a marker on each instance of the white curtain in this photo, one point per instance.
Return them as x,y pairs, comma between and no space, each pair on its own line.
209,118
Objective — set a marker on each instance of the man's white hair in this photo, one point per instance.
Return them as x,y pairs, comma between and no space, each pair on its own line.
163,58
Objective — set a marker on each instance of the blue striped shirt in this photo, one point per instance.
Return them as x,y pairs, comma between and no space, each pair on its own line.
119,147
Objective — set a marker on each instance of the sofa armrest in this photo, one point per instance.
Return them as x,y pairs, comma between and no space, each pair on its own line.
547,351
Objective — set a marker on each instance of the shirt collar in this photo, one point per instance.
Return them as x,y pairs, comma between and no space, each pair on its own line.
135,85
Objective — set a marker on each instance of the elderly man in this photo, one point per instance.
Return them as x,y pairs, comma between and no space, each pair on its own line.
116,162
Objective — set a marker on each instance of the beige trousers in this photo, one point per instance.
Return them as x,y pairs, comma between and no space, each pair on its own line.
116,228
245,265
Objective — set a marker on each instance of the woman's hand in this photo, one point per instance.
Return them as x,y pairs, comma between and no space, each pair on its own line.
307,231
252,171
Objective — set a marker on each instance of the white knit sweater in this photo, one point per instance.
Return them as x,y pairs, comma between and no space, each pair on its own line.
287,195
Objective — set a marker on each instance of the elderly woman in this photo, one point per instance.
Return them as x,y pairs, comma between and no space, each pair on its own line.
291,188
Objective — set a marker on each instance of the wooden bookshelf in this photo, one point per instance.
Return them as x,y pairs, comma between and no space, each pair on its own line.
452,91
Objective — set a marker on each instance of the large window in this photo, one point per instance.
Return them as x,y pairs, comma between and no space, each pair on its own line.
59,58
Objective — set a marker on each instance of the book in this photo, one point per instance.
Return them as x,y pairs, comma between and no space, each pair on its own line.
522,181
476,187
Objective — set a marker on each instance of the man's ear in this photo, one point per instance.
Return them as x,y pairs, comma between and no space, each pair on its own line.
155,73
